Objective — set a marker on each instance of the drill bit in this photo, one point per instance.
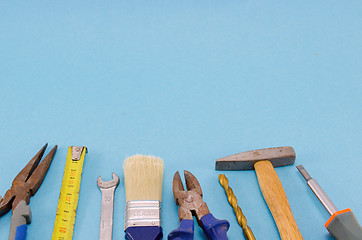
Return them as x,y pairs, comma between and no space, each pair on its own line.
237,210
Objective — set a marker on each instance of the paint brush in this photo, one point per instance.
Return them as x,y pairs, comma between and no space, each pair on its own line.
143,177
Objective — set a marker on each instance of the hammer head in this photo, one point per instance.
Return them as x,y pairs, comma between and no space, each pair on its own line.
278,156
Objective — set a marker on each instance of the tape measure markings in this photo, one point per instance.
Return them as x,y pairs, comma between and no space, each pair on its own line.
69,194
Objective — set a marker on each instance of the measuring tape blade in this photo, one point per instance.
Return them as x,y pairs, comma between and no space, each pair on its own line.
69,194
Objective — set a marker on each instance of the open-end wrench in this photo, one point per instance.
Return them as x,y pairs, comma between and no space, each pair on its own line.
107,189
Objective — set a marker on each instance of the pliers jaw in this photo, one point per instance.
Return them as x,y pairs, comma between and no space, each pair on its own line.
28,181
190,202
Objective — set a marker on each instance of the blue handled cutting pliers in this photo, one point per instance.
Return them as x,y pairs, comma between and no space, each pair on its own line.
191,204
24,186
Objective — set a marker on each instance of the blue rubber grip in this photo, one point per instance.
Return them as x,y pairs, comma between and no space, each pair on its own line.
144,233
21,232
185,231
214,229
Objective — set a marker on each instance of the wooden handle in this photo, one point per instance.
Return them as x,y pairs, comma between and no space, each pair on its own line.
275,197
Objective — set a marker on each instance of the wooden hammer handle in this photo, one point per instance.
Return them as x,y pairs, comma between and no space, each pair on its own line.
275,197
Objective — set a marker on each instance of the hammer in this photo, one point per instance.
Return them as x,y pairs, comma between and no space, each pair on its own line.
264,161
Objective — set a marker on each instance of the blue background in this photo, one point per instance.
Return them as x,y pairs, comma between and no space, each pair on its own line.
189,81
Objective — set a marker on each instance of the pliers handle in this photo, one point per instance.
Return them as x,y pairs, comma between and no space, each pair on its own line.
19,220
213,228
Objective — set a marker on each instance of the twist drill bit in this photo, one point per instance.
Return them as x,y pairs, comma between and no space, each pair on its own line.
237,210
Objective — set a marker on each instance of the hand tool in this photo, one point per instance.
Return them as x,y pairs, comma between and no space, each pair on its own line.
248,234
190,203
69,194
143,176
343,225
24,186
264,161
107,189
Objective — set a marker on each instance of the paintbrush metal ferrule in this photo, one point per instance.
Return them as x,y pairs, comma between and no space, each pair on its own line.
142,213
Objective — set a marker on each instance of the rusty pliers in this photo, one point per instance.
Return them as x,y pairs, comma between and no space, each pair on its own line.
191,204
24,186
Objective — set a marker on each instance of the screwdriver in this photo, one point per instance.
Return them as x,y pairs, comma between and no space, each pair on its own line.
343,225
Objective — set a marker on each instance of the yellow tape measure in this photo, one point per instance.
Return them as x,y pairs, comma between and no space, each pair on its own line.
69,194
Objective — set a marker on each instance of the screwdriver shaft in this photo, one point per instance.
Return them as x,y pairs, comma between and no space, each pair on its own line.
318,191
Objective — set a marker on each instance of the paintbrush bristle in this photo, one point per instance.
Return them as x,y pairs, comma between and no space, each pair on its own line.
143,177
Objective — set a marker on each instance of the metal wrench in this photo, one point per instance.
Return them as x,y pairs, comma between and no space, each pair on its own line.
107,189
